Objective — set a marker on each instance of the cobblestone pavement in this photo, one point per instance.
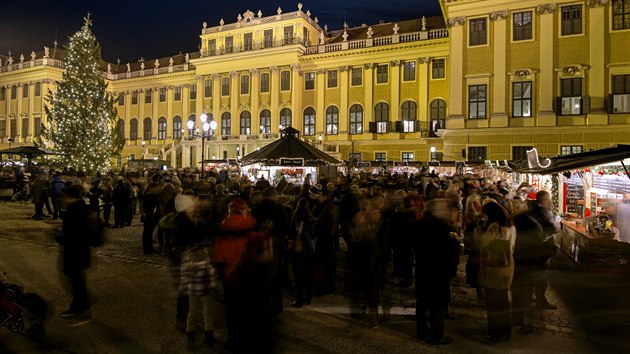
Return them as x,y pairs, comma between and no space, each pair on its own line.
124,247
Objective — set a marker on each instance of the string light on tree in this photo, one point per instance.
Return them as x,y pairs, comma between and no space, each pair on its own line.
82,117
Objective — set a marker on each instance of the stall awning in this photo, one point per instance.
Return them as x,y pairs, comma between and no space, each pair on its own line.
289,146
581,160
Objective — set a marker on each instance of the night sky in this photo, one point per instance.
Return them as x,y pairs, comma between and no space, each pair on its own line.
132,29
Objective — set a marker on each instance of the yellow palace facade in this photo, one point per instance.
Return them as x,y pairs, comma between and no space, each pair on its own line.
487,80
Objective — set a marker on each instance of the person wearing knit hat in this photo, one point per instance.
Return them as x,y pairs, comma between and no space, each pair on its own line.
237,206
184,202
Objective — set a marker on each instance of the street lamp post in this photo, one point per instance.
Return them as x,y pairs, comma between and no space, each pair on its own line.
207,130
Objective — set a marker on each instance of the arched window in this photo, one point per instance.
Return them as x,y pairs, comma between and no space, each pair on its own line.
356,119
133,129
309,121
285,118
121,130
409,115
226,123
246,123
381,117
265,121
177,127
162,128
146,125
438,116
332,120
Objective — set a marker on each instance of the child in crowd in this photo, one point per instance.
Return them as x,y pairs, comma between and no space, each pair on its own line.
197,279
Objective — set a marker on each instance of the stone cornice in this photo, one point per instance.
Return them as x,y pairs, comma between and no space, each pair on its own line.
456,21
546,8
499,15
596,3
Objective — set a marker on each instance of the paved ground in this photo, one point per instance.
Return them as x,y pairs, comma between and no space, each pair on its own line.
134,307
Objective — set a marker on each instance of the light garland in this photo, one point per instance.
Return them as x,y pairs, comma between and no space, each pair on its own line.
81,124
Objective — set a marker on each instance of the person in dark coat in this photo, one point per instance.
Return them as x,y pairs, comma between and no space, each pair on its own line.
150,204
401,241
433,271
57,186
121,201
75,249
326,213
530,254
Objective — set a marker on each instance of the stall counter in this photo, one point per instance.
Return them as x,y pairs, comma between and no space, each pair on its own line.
591,252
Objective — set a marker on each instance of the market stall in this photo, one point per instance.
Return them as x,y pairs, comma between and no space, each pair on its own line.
287,158
590,188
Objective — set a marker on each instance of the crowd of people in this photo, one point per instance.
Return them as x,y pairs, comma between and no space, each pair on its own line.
254,238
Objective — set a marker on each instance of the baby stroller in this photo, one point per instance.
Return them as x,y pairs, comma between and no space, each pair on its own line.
23,192
21,312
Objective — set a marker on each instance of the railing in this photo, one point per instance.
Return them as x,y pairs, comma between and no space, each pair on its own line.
362,43
383,40
31,64
379,41
238,48
438,33
260,21
109,76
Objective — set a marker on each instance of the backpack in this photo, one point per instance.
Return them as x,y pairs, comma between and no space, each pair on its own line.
98,231
497,253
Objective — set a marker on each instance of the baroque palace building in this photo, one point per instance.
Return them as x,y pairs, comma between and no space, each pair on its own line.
487,80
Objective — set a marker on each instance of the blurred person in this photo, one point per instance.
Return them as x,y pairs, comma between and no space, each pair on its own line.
302,247
542,212
150,204
473,218
623,218
197,280
496,239
75,253
433,249
369,255
530,253
326,213
56,188
94,196
243,255
120,197
402,241
108,199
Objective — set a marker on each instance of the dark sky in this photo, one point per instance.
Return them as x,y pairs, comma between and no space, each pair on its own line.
156,28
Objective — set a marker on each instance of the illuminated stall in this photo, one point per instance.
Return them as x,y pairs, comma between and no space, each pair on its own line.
590,188
288,158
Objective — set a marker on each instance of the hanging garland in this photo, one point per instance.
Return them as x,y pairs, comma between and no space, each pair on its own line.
555,193
611,170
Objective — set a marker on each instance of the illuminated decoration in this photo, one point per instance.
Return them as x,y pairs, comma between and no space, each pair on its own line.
534,161
82,118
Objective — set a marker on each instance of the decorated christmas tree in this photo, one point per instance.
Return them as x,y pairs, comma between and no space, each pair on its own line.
81,125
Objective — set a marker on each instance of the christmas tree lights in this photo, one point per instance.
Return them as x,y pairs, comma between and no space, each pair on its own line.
81,124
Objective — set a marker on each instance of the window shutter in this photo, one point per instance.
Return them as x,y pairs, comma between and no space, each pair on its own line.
393,127
398,127
610,105
372,127
558,108
586,104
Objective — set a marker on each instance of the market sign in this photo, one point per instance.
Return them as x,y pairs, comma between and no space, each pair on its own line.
285,161
433,163
363,164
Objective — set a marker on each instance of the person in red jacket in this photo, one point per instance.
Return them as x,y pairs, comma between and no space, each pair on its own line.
243,255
